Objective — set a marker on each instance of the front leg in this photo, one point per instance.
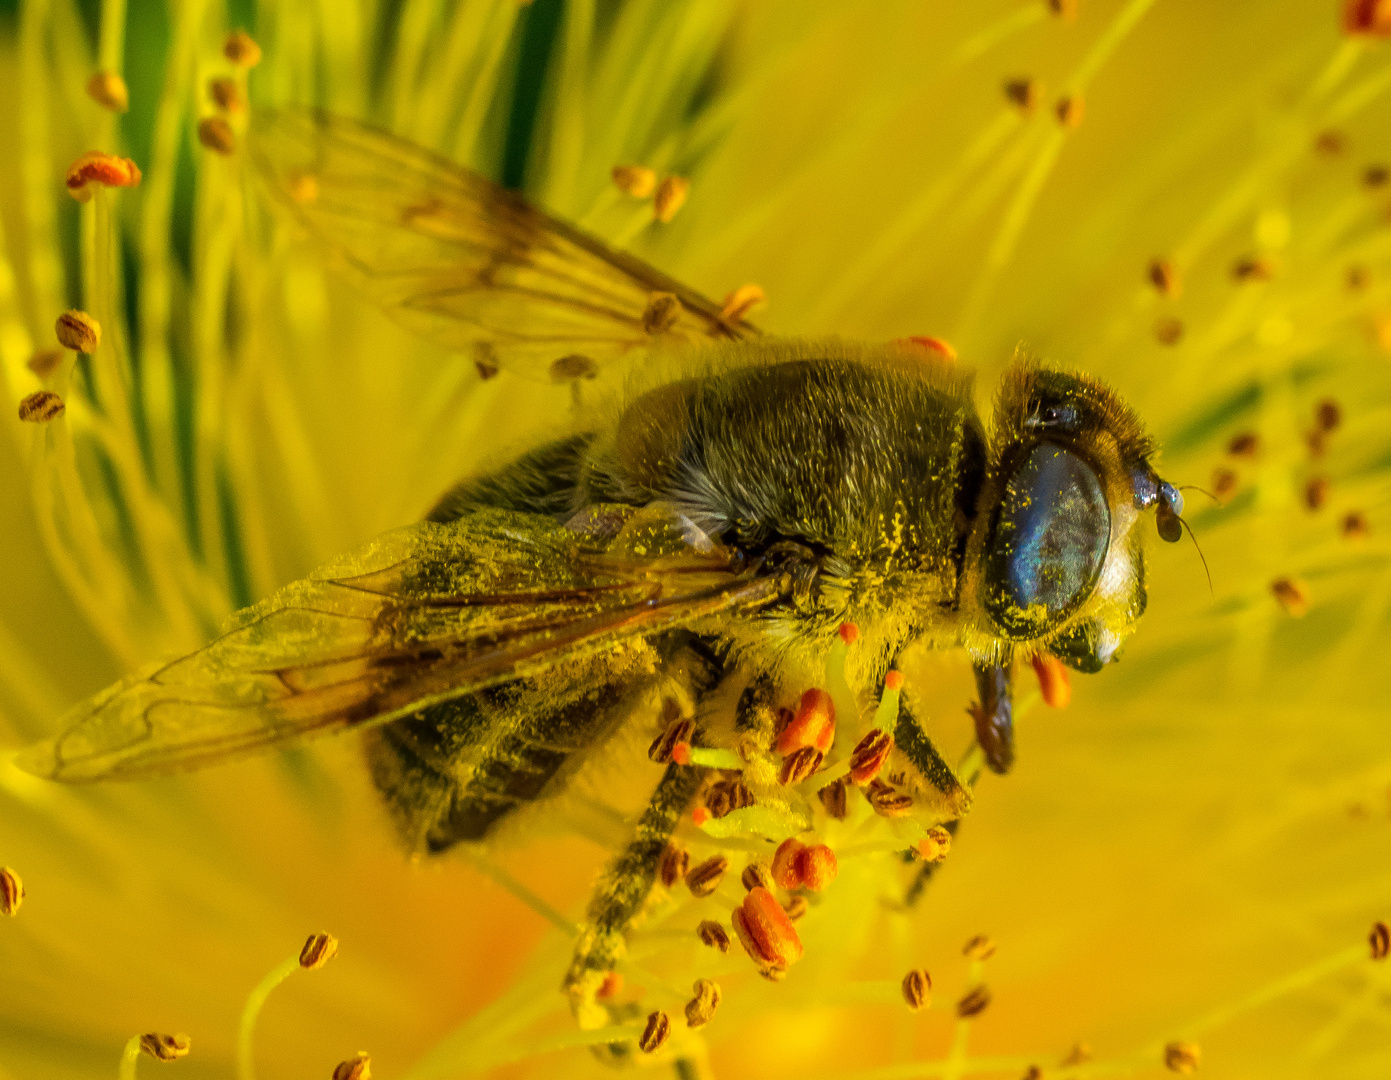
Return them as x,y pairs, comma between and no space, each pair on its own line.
994,715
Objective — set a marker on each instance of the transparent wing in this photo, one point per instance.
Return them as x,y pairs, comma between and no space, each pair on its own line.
423,614
466,263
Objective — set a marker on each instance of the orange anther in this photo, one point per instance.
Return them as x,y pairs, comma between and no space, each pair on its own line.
765,930
700,815
893,680
95,167
786,867
935,345
681,753
817,867
849,633
814,724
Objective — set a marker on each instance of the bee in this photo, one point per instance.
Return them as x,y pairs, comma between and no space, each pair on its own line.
700,543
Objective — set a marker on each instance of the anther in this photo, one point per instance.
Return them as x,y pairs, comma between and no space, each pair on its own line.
814,724
1053,681
655,1033
241,49
1355,525
701,1008
636,180
1224,483
832,798
1376,176
980,947
741,301
848,631
869,755
104,170
1026,93
1292,594
713,934
766,932
796,907
109,91
678,731
673,865
40,407
1316,492
785,869
1380,941
45,362
226,94
357,1067
974,1003
935,846
217,135
1358,277
1064,9
1245,445
1168,331
671,195
937,347
78,331
1258,268
700,816
1182,1057
799,765
1165,278
318,950
917,989
1070,110
704,879
681,752
755,876
165,1048
817,867
610,987
1331,142
888,801
11,891
1033,1073
574,366
1080,1054
661,313
1328,414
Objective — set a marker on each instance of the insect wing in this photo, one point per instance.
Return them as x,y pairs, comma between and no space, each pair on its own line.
464,262
421,615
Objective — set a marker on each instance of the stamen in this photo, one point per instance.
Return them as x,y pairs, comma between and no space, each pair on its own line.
976,1001
677,733
700,1010
704,879
1182,1057
785,863
833,799
836,683
756,875
917,989
671,196
710,757
217,135
1316,492
1168,331
1165,278
796,907
106,170
1224,484
1064,9
1245,445
938,347
45,362
610,987
1258,268
817,867
1355,526
41,406
799,765
109,91
766,932
870,754
663,309
1380,941
1026,93
1080,1054
888,801
886,716
742,301
165,1048
935,846
573,367
357,1067
636,180
11,891
1292,594
226,94
673,865
1071,110
78,331
318,949
655,1033
813,725
241,49
1328,414
713,934
980,947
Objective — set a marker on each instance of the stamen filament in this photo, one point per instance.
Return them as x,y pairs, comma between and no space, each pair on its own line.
126,1070
254,1001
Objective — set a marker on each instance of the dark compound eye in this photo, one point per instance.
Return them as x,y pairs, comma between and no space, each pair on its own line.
1047,542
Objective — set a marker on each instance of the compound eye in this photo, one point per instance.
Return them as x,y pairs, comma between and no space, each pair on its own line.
1047,542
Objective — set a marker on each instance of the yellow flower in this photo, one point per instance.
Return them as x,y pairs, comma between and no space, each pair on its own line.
1187,200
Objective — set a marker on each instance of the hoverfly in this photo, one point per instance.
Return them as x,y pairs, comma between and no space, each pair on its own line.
701,544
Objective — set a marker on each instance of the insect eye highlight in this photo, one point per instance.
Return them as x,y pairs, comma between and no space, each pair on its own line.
1047,542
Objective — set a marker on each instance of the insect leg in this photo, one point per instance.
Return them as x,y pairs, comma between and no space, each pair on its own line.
994,716
913,743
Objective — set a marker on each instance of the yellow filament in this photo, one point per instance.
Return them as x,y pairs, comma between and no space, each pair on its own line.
246,1066
129,1056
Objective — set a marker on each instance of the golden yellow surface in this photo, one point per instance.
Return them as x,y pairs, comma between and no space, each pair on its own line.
1195,849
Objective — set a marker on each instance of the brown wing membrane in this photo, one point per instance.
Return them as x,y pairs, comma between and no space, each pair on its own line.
423,614
464,262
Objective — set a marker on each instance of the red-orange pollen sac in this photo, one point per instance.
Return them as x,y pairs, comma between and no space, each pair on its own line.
814,724
786,870
700,815
893,680
107,170
849,633
1053,681
1371,17
817,867
681,753
935,345
765,930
